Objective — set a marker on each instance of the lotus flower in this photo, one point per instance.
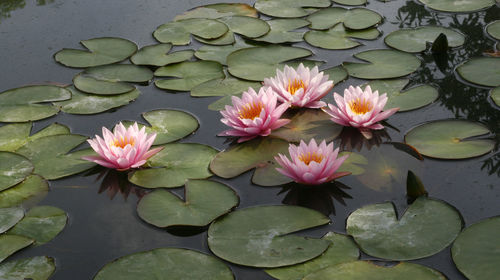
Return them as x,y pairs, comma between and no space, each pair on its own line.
360,109
253,115
125,149
302,88
311,164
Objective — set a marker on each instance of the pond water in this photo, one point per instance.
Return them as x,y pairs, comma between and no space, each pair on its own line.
104,226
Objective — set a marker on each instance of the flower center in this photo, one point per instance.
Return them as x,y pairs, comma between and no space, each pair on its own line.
250,110
360,106
123,141
295,85
307,158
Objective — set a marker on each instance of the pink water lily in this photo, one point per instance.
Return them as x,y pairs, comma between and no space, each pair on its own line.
360,108
301,87
124,149
311,164
253,115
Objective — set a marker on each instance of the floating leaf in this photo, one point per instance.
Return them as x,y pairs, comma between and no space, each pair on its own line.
178,32
166,263
289,8
410,99
9,217
28,103
222,102
259,236
224,87
14,169
483,71
13,136
35,268
415,39
282,31
356,18
341,250
33,188
190,74
350,2
337,74
214,11
355,163
101,51
338,38
156,55
204,201
41,223
458,6
475,252
495,95
493,29
9,244
220,53
426,227
245,26
448,139
382,64
174,165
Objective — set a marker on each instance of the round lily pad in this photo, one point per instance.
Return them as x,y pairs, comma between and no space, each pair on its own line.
41,223
458,6
30,103
337,74
220,53
289,8
338,38
406,100
224,87
9,217
282,31
9,244
356,18
448,139
178,32
382,64
260,236
174,165
426,227
14,168
33,188
483,71
495,95
219,10
156,55
493,29
476,250
350,2
101,51
35,268
189,74
13,136
166,263
204,201
415,39
245,26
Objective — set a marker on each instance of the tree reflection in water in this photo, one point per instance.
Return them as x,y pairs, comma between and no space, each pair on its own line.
8,6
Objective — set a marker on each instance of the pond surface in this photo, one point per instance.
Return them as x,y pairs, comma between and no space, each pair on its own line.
103,225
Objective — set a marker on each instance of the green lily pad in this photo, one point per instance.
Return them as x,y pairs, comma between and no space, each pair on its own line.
282,31
338,38
356,18
33,188
220,53
41,223
382,64
495,95
341,250
101,51
35,268
458,6
224,87
368,270
156,55
245,26
258,63
413,98
448,139
214,11
204,201
166,263
51,158
221,103
427,227
174,165
289,8
475,252
189,74
178,32
415,40
259,236
355,163
493,29
483,71
14,169
337,74
9,217
9,244
13,136
350,2
29,103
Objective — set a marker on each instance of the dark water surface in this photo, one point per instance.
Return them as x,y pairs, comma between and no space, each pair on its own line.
101,229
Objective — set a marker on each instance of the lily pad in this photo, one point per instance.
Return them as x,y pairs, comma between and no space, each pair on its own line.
221,103
178,32
282,31
427,227
14,169
224,87
355,163
413,98
382,64
174,165
33,188
245,26
166,263
13,136
350,2
415,40
9,244
475,252
337,74
9,217
448,139
156,55
458,6
29,103
495,95
338,38
483,71
259,236
220,53
493,29
219,10
289,8
204,201
189,74
356,18
35,268
341,250
101,51
41,223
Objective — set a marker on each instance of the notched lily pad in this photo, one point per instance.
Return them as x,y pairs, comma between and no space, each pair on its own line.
350,2
282,31
13,136
493,29
495,95
214,11
483,71
289,8
14,169
415,40
35,268
356,18
179,32
156,55
224,87
34,188
9,244
338,38
458,6
188,74
245,26
9,217
41,223
220,53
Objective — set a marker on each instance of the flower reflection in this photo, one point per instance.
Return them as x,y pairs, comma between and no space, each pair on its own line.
114,182
351,139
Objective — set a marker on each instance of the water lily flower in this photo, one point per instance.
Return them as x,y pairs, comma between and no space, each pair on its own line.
360,108
311,164
124,149
253,115
301,87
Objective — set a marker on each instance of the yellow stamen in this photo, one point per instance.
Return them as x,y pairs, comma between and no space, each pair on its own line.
122,142
295,85
251,110
307,158
360,106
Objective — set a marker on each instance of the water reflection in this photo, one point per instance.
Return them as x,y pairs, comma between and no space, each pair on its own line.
351,139
8,6
114,182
